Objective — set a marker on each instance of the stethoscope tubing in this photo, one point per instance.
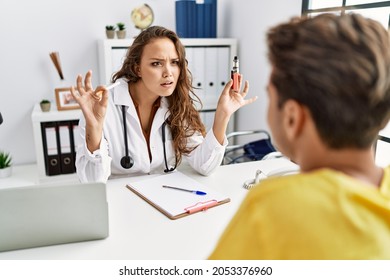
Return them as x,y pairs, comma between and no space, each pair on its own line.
127,161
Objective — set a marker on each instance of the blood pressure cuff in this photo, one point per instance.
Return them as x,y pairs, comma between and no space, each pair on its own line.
256,150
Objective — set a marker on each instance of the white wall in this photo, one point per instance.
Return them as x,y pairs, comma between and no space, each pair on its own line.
250,27
29,30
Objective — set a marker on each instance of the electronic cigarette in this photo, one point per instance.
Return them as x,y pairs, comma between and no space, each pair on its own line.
235,73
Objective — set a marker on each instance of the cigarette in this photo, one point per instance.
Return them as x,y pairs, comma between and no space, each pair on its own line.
117,83
98,95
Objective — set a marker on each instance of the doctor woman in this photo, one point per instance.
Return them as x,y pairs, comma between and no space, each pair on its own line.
149,122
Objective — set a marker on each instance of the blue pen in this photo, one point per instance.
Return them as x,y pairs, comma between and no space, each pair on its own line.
180,189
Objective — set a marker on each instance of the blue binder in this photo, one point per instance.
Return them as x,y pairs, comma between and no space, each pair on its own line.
200,16
195,20
211,18
181,18
191,19
207,20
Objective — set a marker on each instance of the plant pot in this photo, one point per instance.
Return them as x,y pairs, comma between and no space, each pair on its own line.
5,172
121,34
45,107
110,34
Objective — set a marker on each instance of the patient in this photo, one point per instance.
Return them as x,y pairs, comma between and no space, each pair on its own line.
329,96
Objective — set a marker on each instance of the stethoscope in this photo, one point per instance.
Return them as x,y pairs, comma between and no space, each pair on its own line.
127,161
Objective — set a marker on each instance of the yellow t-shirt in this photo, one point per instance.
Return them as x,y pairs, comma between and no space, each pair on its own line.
323,214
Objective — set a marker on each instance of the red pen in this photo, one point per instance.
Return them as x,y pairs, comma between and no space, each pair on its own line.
235,73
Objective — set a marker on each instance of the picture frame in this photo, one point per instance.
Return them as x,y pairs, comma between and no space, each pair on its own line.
65,100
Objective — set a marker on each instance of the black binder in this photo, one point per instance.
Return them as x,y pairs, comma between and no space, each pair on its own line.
66,147
51,148
75,132
59,146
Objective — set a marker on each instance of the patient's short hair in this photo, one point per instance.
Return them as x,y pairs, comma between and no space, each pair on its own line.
339,68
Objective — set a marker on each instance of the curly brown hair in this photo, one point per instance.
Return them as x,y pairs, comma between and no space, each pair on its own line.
339,68
184,119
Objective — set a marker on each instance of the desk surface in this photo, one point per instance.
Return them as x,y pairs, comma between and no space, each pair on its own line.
139,231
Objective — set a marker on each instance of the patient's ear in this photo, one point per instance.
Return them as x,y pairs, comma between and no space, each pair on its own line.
294,117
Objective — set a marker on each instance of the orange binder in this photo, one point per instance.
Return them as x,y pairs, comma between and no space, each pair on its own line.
174,203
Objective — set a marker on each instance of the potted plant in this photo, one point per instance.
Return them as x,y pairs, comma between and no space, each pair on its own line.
121,32
110,31
45,105
5,164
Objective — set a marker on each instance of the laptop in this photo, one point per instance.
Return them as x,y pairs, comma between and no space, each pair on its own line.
50,214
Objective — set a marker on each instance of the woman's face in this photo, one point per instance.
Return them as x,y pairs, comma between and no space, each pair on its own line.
159,68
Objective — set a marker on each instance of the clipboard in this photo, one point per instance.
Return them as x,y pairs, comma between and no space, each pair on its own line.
176,204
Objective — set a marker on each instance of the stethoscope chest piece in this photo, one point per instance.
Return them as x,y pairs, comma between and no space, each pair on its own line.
127,162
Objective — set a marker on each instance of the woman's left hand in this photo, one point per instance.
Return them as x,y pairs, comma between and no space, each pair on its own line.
232,100
229,102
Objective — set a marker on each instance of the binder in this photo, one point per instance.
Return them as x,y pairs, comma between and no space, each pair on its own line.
176,204
59,146
211,77
196,18
75,138
213,18
66,143
51,148
181,18
223,67
207,20
198,71
200,26
190,59
191,19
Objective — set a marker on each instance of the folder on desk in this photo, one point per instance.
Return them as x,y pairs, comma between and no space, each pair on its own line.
173,203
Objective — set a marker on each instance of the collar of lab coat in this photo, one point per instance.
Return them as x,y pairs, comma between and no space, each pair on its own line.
121,96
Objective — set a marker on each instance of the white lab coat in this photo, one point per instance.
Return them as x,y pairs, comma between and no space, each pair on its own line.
105,162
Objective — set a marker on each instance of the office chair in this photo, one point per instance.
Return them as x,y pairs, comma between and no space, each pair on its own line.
252,151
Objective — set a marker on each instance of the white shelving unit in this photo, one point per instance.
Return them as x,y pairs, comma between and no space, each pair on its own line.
38,117
21,176
209,60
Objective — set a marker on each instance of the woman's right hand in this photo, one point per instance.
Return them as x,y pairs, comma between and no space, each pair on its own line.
93,104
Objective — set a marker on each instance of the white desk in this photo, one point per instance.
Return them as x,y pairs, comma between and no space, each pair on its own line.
139,231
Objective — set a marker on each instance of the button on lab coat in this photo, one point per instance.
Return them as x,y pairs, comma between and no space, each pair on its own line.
105,162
